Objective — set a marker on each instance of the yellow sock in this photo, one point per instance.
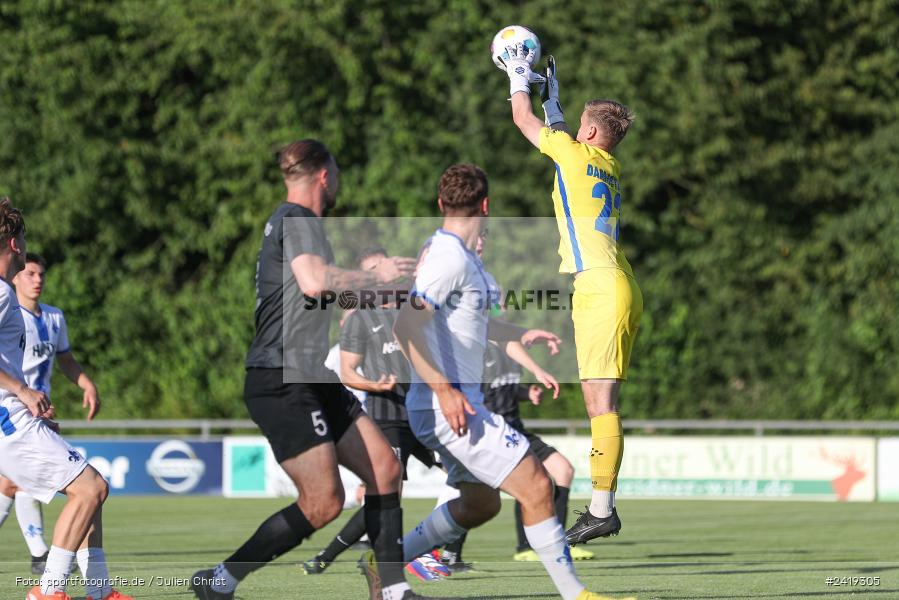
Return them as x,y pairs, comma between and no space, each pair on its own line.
605,456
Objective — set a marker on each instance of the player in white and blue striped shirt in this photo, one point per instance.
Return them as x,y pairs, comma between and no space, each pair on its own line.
46,339
32,453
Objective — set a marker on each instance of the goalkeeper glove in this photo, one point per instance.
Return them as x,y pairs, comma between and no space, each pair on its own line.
519,69
550,95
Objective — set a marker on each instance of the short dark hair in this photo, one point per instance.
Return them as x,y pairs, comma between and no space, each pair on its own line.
462,189
12,223
33,257
303,157
368,251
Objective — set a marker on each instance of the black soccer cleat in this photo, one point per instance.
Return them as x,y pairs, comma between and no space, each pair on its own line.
39,563
316,566
587,527
459,567
201,586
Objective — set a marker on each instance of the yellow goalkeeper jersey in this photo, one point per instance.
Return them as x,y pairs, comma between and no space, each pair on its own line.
587,202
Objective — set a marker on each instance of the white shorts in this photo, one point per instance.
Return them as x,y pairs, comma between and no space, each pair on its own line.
33,456
487,453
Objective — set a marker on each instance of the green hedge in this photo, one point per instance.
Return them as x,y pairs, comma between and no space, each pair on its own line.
761,183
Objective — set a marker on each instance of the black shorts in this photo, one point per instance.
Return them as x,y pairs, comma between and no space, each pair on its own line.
405,444
538,446
295,417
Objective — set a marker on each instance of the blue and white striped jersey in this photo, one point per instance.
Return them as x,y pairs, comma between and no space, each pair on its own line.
46,336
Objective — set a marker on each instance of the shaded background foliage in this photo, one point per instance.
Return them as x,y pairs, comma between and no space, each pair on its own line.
761,208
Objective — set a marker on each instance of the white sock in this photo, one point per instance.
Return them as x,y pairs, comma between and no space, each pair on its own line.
5,505
92,562
224,582
31,522
548,540
395,591
602,503
59,567
437,529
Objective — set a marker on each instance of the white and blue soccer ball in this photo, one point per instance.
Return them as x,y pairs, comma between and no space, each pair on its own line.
510,36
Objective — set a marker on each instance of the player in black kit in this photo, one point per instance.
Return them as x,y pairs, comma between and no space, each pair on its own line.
311,421
367,342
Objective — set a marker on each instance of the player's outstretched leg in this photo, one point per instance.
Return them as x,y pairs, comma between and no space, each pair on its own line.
314,472
448,525
476,505
278,534
351,533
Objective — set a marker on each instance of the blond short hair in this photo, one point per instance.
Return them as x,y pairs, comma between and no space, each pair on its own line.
611,117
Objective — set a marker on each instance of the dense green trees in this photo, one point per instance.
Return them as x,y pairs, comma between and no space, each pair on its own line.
762,189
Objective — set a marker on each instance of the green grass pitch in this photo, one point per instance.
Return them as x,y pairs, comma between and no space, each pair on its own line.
667,550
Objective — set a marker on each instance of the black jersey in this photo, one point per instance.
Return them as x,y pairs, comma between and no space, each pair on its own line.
502,385
369,332
291,328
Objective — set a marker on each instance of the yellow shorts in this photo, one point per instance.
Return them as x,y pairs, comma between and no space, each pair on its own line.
607,308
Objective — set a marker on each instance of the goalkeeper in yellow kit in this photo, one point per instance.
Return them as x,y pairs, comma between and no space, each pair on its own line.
607,301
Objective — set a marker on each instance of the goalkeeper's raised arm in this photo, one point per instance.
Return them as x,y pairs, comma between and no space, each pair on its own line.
521,75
